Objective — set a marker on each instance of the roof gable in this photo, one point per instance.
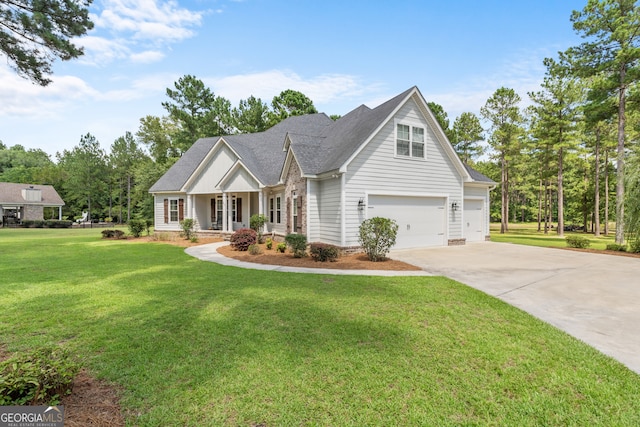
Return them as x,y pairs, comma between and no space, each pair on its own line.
319,144
21,194
206,177
239,178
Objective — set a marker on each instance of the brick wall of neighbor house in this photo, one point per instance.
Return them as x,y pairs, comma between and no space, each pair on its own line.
295,182
33,212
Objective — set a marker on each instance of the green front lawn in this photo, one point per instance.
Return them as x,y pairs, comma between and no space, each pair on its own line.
195,343
528,234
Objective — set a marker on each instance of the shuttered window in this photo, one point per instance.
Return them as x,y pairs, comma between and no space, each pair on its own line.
173,210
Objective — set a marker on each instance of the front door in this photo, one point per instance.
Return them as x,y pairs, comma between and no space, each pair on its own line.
216,213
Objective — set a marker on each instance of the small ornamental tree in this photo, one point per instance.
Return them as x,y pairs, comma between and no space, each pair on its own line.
256,222
186,225
377,236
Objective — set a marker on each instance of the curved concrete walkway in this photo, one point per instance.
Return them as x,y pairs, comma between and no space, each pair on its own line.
209,252
593,297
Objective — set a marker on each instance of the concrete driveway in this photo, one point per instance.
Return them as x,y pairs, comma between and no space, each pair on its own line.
594,297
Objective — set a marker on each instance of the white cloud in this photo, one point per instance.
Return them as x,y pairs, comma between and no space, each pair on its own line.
322,89
101,51
137,30
21,98
147,57
154,20
523,73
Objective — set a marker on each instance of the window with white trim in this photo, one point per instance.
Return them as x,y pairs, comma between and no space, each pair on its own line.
278,210
410,141
173,210
271,210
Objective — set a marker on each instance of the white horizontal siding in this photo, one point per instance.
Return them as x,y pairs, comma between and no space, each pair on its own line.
210,175
377,170
313,211
158,220
240,181
329,211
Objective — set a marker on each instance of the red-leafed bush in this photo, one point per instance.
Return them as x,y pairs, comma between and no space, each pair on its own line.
243,238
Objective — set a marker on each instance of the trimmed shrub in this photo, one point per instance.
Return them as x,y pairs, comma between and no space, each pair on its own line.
281,247
40,377
243,238
186,225
137,226
634,247
149,224
377,236
616,247
297,243
112,234
324,252
579,242
255,249
269,243
49,223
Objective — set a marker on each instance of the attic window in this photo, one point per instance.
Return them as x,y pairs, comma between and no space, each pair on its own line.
410,141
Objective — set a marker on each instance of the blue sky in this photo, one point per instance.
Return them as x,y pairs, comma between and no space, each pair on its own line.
339,53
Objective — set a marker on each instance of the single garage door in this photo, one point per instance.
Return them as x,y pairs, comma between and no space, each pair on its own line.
473,220
421,220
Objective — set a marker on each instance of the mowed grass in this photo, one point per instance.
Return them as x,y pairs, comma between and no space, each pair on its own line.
528,234
192,343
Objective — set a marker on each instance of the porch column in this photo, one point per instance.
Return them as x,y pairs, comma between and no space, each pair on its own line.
59,213
224,212
260,203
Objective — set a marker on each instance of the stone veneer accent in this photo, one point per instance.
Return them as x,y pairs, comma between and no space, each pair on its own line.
295,182
457,242
31,212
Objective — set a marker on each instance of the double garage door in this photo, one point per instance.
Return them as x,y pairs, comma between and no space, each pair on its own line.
421,220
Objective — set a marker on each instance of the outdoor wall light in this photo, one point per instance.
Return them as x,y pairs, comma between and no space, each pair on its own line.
454,206
361,204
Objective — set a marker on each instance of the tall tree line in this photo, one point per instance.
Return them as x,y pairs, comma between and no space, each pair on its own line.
113,184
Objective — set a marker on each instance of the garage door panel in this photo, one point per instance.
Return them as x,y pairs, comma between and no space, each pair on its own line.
421,220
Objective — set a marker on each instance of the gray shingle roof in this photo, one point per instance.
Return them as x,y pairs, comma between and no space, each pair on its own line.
11,194
262,153
350,131
318,143
179,173
477,176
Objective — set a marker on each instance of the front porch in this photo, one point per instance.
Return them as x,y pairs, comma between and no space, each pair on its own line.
224,212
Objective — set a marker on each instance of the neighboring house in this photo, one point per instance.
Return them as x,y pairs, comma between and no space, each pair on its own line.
322,178
19,202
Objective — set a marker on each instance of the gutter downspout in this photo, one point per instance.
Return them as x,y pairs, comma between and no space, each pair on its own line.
343,209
